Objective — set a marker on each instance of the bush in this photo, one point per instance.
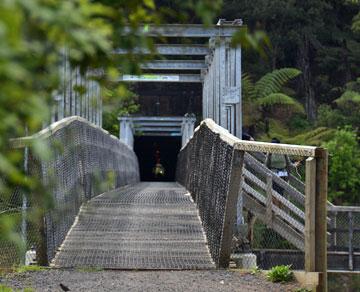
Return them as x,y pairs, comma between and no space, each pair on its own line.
344,167
280,274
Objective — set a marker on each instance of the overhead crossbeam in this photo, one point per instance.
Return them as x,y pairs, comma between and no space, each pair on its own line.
174,65
171,50
187,78
186,30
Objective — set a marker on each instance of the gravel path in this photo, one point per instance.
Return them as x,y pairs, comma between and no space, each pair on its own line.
198,281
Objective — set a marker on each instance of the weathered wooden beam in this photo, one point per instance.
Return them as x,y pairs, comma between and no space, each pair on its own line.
170,50
269,201
185,78
174,65
230,208
185,30
310,194
321,218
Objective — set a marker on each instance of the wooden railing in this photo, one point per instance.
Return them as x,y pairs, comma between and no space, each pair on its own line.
300,214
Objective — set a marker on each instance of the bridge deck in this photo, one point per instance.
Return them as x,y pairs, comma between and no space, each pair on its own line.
144,226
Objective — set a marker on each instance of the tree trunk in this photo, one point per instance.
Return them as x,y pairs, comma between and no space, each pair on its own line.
306,78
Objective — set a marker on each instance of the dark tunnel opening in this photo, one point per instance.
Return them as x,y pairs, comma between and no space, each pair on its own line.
157,157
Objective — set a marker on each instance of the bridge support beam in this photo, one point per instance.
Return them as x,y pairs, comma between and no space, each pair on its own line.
126,134
70,101
222,85
187,129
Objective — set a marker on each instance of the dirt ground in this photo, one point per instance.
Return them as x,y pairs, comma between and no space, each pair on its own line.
105,280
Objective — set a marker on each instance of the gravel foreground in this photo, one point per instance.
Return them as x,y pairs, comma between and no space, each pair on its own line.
198,281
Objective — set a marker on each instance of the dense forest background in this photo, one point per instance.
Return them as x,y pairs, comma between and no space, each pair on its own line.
322,40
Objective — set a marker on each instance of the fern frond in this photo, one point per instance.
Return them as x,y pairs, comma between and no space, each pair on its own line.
348,97
248,87
273,82
315,137
281,100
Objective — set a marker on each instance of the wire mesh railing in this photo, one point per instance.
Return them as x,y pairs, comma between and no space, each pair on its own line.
84,161
289,223
208,167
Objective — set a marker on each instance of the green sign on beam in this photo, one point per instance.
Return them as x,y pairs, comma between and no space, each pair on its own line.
151,77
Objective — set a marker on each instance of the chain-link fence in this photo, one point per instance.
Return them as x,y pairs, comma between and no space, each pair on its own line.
84,161
344,238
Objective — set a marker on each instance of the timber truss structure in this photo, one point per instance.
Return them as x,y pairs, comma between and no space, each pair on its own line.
215,63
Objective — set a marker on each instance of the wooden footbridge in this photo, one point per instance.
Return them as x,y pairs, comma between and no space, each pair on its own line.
103,216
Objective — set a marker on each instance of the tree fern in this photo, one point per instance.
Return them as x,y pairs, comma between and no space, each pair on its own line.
274,81
280,99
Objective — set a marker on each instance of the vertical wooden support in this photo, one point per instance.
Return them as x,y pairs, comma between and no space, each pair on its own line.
320,217
222,82
269,200
238,107
230,207
310,194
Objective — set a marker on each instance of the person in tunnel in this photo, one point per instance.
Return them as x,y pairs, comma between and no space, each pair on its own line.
158,170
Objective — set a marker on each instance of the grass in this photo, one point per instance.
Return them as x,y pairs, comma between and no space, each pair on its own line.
281,274
4,288
255,271
31,268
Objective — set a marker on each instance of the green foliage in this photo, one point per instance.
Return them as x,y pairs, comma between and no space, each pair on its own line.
267,94
280,274
344,167
121,102
303,290
313,137
255,271
30,268
329,117
4,288
274,81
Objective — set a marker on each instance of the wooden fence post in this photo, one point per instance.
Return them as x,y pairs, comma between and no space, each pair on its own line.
230,207
321,217
310,194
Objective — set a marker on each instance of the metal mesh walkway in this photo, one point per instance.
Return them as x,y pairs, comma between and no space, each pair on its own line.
143,226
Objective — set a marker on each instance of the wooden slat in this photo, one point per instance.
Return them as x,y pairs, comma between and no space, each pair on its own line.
257,166
290,220
334,208
269,200
279,226
275,194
